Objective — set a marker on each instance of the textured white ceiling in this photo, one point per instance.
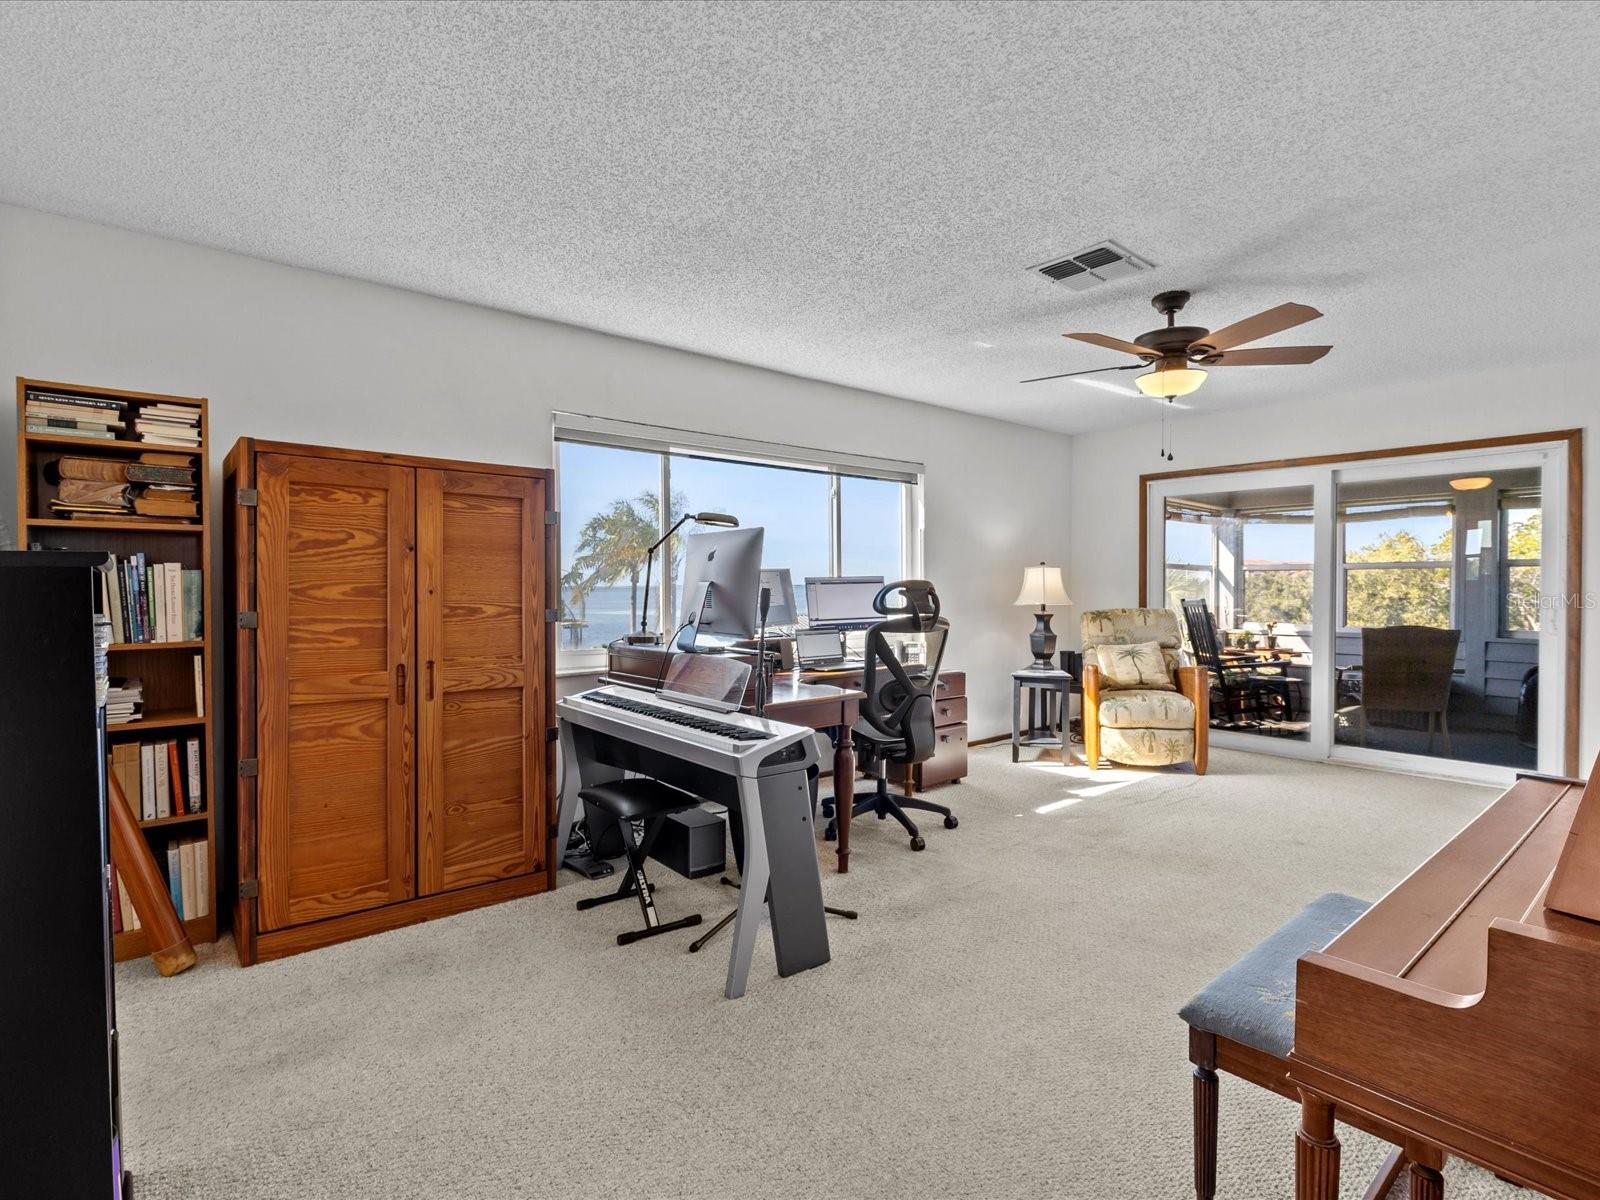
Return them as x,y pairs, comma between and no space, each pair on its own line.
851,191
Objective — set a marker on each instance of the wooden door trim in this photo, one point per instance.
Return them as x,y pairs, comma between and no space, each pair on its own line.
1572,685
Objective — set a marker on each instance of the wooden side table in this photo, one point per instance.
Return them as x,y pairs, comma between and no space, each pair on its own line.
1049,698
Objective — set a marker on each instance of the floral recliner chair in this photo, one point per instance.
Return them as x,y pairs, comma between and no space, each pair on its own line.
1143,705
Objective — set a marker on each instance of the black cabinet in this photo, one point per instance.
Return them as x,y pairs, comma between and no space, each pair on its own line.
59,1119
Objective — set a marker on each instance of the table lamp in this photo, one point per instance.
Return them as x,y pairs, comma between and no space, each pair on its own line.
1043,586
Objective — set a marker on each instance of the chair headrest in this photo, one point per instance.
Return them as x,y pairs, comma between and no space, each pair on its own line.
921,600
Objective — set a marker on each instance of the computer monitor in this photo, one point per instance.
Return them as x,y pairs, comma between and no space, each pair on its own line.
780,609
842,601
721,582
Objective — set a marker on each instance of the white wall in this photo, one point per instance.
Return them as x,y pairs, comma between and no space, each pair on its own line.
298,355
1447,407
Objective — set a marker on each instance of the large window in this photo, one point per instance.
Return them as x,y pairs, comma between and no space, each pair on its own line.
1190,556
1278,546
1522,556
818,521
1398,563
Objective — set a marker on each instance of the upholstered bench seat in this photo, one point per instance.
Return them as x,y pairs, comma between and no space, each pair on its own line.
1242,1022
1252,1002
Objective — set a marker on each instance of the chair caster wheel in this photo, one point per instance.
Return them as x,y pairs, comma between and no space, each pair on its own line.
883,816
951,822
829,832
918,844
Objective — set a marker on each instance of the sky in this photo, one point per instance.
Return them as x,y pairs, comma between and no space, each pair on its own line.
792,506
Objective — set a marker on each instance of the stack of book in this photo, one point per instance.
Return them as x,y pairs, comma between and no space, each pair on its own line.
168,425
73,416
151,602
187,877
160,779
124,701
157,486
124,919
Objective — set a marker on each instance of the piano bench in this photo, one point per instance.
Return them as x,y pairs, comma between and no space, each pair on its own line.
1242,1022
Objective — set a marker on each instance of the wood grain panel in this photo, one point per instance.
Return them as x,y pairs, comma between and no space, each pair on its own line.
482,766
335,584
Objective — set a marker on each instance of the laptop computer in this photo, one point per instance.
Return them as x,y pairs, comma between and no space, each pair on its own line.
816,649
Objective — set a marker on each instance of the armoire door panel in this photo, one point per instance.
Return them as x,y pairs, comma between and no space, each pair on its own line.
481,765
335,584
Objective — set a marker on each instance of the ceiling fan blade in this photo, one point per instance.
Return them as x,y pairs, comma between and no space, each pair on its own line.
1268,356
1095,371
1111,343
1263,324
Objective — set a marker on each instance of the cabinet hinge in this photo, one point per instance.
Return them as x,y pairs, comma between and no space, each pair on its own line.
552,734
552,517
248,497
552,615
248,620
249,889
249,768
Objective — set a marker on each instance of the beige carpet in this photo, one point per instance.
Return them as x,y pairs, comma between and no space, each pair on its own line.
1000,1023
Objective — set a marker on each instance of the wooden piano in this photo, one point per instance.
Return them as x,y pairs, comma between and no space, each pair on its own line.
1462,1011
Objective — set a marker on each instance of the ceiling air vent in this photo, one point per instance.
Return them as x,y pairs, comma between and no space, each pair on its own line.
1092,267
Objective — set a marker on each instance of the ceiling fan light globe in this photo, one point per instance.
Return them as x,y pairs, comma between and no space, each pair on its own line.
1170,380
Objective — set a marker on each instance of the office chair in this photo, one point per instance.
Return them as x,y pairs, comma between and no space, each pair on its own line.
896,726
638,804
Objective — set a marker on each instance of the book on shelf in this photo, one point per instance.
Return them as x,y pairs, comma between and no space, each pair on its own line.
199,685
160,779
124,906
189,877
124,701
58,414
70,400
152,602
151,487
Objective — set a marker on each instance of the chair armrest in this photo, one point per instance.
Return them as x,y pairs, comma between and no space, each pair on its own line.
1091,685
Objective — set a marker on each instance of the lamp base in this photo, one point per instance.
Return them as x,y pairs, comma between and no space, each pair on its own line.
1042,641
644,639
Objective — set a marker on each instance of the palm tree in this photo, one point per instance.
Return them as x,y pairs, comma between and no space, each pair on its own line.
613,544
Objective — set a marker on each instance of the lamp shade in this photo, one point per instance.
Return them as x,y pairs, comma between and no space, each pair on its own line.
1171,378
1043,586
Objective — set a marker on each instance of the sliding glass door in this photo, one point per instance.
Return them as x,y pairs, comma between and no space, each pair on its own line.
1399,613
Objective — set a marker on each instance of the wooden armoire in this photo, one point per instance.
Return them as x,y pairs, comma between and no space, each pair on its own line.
393,663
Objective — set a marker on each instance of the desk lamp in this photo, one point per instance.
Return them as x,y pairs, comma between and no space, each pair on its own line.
1043,586
721,520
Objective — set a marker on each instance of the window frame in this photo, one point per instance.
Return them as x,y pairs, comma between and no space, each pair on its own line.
1344,566
664,444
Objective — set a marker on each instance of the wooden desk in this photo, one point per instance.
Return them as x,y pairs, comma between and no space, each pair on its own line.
1463,1012
825,708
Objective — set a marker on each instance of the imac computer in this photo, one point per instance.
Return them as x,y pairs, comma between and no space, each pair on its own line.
780,610
721,584
842,601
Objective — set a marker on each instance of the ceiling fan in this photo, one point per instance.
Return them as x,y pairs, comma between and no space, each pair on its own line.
1178,354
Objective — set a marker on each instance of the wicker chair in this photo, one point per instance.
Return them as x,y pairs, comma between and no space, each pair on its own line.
1407,669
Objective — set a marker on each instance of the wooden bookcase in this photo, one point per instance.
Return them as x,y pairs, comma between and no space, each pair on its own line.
166,668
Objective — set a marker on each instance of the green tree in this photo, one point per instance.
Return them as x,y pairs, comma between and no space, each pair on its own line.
613,545
1280,595
1400,595
1524,541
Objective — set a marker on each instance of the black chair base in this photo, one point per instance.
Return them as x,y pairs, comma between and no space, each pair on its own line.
883,805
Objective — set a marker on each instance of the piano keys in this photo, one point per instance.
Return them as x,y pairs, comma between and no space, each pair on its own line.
1463,1012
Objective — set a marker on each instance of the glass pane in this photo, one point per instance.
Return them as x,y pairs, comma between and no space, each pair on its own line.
1397,596
792,506
1184,584
869,510
1524,538
1522,599
1422,662
1254,632
1398,532
608,521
